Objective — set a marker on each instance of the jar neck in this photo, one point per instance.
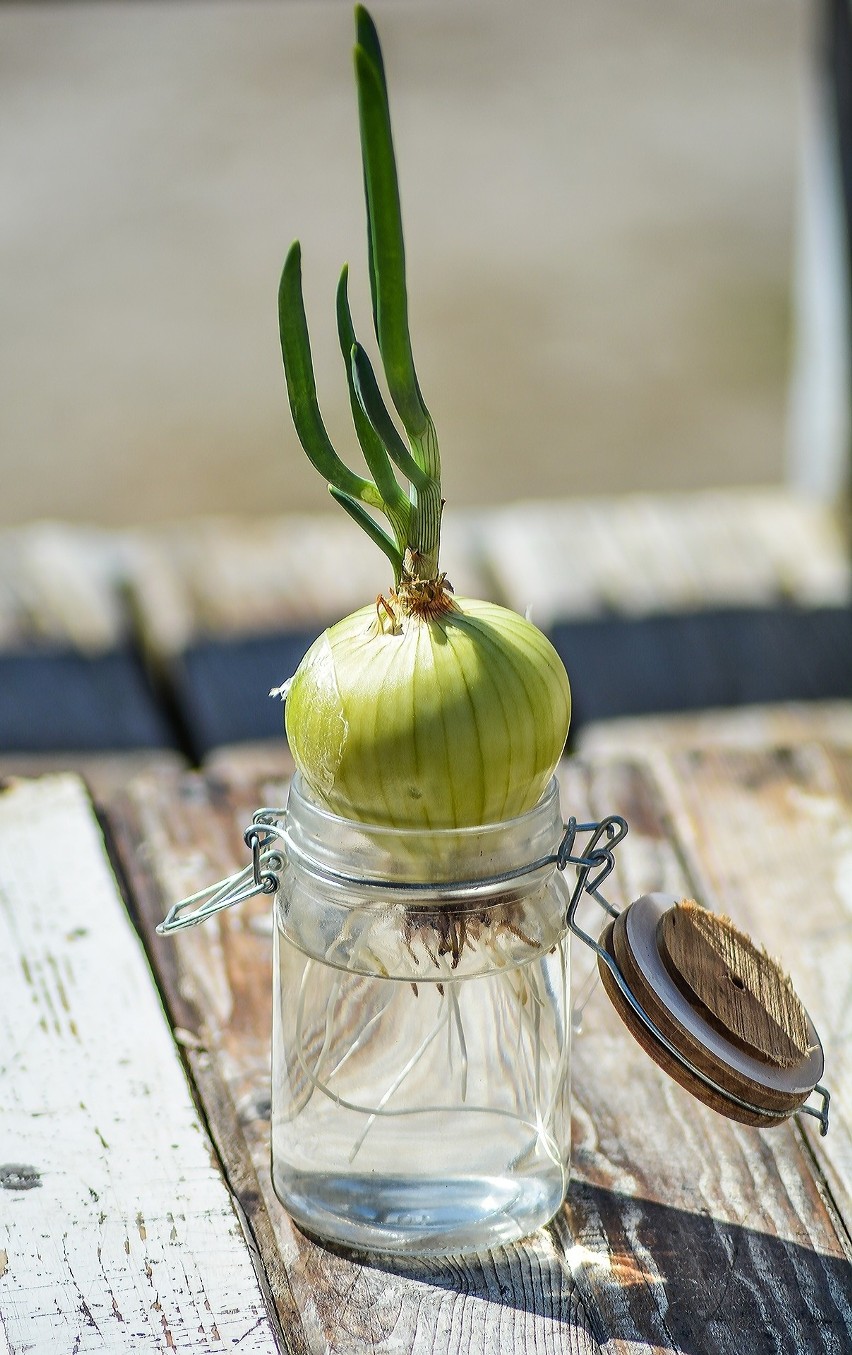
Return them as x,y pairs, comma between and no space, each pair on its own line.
329,846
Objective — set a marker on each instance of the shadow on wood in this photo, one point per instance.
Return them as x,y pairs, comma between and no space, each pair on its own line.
704,1288
700,1294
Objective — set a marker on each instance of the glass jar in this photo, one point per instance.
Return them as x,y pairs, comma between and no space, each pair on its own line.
421,1036
421,1031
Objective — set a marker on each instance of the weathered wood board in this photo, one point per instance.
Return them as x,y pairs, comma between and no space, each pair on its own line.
152,637
61,585
71,677
117,1232
263,760
639,554
699,1216
88,588
757,727
231,577
781,864
681,1230
104,774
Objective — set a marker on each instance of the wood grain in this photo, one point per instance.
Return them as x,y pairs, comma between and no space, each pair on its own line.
749,995
702,1234
681,1231
86,587
630,941
116,1230
103,774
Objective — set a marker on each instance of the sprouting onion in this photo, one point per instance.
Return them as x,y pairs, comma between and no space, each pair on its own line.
423,709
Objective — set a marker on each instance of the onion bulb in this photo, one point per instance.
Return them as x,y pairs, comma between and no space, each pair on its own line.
440,721
421,710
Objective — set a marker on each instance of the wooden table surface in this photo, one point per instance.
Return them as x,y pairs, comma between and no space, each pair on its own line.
137,1212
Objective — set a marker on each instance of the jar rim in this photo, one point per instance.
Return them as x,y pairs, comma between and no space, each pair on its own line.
386,832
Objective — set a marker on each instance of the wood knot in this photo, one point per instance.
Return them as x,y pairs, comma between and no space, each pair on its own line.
19,1176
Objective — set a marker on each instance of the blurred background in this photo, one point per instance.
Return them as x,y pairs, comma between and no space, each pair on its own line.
600,202
628,277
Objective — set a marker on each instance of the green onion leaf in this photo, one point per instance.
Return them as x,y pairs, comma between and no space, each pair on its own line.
372,528
373,406
396,503
367,37
301,387
385,239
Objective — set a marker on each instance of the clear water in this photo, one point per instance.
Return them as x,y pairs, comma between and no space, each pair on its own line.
421,1117
417,1216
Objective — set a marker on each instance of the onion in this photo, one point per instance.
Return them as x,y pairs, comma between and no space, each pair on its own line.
434,722
422,710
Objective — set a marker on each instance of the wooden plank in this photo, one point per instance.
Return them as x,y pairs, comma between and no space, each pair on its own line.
226,608
60,585
267,760
634,554
234,577
682,1231
777,726
126,1239
70,676
103,774
640,554
767,835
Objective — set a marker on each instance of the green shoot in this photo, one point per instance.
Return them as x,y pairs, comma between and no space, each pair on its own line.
301,387
414,516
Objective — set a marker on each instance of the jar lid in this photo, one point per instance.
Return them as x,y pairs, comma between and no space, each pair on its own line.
711,1008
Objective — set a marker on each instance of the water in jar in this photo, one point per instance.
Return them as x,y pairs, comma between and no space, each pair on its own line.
421,1116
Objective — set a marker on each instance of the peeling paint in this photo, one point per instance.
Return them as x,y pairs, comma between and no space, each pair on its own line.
85,1034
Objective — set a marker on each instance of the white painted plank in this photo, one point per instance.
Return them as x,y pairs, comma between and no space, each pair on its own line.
127,1240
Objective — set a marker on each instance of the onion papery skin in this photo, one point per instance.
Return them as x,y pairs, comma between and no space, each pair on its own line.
445,722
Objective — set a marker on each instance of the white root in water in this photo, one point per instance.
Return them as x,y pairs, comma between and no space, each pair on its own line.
523,983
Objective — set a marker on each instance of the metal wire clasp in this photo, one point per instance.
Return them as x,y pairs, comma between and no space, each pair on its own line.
261,877
593,865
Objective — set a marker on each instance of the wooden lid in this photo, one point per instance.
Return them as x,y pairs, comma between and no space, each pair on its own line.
723,1006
